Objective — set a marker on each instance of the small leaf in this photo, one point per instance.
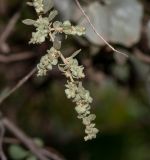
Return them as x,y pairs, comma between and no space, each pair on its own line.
57,44
52,15
28,22
16,152
75,53
48,5
29,3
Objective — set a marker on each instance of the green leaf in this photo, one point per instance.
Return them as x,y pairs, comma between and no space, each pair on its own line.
29,3
57,44
75,53
16,152
52,15
48,5
28,22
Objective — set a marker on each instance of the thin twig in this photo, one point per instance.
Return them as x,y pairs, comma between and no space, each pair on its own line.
24,139
9,27
94,29
16,57
9,140
18,85
50,152
2,132
8,30
143,57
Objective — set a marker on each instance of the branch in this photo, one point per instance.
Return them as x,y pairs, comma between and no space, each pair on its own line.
16,57
24,139
143,57
9,27
2,132
40,153
49,152
94,29
18,85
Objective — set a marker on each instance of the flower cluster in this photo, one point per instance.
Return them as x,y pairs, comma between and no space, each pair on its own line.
76,70
38,5
42,30
47,61
72,67
82,98
72,30
67,28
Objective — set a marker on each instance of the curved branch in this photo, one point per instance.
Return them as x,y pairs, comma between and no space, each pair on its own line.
94,29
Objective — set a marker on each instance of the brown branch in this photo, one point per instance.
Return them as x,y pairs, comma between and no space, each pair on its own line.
23,138
141,56
2,132
9,27
94,29
50,152
16,57
9,140
18,85
40,153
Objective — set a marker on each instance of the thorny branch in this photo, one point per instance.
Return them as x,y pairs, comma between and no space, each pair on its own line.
94,29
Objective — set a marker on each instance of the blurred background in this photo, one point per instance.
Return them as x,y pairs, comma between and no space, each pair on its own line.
120,86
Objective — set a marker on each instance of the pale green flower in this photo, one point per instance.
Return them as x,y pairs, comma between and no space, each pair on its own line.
42,30
47,61
38,5
71,90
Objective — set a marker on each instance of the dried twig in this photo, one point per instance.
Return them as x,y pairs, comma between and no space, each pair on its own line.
2,131
143,57
9,27
18,85
24,139
40,153
50,152
94,29
16,57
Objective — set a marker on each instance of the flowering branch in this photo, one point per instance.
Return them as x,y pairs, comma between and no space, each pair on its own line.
69,66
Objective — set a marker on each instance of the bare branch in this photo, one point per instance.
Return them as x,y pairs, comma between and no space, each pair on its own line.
24,139
40,153
2,132
16,57
94,29
50,152
143,57
18,85
9,27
